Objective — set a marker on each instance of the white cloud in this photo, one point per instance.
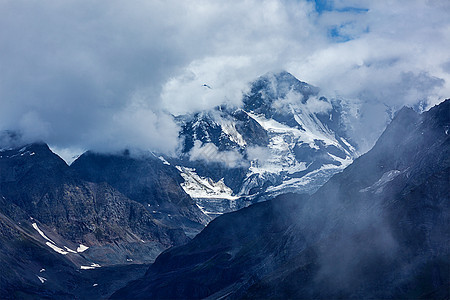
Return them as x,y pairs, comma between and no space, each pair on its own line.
210,153
260,154
207,83
86,74
404,37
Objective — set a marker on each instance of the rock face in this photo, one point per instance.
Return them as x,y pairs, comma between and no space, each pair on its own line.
32,270
379,229
57,218
285,137
146,180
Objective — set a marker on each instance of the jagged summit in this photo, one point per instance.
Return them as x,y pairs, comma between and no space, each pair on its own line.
272,86
284,137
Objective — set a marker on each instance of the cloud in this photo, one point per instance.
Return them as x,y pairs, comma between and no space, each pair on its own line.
103,75
295,100
210,153
388,41
257,153
206,84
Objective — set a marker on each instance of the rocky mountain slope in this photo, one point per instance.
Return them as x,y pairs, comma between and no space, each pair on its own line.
285,137
31,270
379,229
56,222
147,180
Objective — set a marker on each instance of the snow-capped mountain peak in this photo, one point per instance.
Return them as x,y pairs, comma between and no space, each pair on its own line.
284,137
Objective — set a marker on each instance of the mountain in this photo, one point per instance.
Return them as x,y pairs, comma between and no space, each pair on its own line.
32,270
284,137
147,180
57,223
379,229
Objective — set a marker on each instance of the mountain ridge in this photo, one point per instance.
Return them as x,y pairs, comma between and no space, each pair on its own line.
376,230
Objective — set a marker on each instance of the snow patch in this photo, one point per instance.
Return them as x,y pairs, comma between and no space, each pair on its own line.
313,129
41,232
56,248
208,213
309,178
70,250
82,248
378,186
164,161
283,139
42,279
51,243
229,129
350,147
344,162
92,266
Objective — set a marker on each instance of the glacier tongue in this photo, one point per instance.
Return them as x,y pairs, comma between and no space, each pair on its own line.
201,187
213,198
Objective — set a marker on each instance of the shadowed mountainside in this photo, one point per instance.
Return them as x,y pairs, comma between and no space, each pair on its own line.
379,229
55,224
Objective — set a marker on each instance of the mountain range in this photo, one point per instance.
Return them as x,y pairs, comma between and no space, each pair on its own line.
291,209
379,229
103,210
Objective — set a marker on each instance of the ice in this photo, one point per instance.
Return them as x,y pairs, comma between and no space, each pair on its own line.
308,178
282,140
201,187
348,145
344,162
229,129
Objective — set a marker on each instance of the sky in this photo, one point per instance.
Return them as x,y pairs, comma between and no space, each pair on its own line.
105,75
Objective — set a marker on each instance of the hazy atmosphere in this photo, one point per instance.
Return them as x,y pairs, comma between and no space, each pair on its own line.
213,149
108,75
